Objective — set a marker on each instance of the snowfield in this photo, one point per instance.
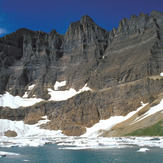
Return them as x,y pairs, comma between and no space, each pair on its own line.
108,123
7,100
14,102
151,111
64,95
28,135
32,135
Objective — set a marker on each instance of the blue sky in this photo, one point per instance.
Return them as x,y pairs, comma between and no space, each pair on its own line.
46,15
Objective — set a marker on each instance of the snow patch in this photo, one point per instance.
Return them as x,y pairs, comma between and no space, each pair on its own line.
59,84
25,130
8,100
151,111
107,124
161,74
102,125
27,135
14,102
25,95
64,95
31,87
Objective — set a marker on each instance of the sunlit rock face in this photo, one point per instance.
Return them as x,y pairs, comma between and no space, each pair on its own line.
121,68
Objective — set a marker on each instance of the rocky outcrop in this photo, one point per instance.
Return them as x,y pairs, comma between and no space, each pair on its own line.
118,66
133,123
10,133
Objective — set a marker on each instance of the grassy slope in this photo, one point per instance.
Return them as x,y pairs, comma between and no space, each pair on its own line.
155,130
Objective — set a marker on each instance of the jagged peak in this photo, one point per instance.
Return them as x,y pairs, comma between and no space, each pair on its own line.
134,17
53,32
141,20
142,15
86,19
19,33
154,12
24,30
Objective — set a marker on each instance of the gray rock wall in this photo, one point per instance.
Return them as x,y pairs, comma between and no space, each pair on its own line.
117,65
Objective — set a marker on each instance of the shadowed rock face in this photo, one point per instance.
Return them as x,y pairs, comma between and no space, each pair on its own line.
117,65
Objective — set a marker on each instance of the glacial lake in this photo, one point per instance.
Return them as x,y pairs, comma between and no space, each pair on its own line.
50,153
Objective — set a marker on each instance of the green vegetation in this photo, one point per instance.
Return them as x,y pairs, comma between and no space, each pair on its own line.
155,130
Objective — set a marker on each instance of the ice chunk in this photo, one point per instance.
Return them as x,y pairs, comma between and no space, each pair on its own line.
143,150
108,143
26,160
28,135
8,153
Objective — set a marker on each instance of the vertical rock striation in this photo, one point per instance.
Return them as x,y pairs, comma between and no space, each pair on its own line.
117,65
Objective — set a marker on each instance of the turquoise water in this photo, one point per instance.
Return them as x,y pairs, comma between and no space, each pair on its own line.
51,154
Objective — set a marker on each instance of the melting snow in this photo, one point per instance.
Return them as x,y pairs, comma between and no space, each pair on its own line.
74,143
28,135
7,100
64,95
107,124
151,111
8,153
59,84
25,95
24,130
161,74
26,160
31,87
32,135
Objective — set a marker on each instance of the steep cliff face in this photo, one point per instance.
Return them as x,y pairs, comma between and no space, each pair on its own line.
120,67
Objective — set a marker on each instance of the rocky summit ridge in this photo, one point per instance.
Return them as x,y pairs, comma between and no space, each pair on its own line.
121,67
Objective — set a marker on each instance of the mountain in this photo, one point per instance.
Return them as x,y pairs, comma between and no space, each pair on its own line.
84,76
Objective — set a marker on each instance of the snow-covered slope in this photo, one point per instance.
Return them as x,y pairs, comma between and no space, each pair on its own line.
32,135
150,112
27,135
8,100
129,121
64,95
25,130
107,124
